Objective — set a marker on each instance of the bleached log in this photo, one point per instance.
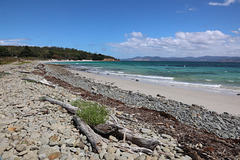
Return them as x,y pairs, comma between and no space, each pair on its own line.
122,132
40,82
94,138
68,107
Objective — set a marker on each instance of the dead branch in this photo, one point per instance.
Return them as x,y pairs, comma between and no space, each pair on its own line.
68,107
95,139
121,132
40,82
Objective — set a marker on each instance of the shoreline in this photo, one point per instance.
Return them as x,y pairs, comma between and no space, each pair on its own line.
224,125
218,102
163,81
34,129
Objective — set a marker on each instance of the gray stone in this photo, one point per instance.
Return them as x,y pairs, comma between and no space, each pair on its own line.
44,140
47,150
112,138
35,135
31,155
142,157
129,155
24,152
52,121
118,152
179,150
42,156
101,154
166,136
94,156
111,149
109,156
7,155
186,158
146,131
70,142
3,144
104,145
121,157
54,140
7,121
72,149
21,147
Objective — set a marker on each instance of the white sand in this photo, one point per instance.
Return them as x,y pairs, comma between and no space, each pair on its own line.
211,101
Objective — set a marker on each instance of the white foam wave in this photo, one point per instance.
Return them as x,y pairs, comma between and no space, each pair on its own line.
217,88
208,80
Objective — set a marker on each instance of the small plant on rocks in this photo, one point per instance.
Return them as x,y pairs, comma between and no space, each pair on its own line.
91,113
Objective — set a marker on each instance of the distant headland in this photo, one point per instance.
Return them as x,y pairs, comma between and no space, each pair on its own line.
200,59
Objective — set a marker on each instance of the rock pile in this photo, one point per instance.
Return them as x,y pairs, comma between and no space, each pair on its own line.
224,125
33,129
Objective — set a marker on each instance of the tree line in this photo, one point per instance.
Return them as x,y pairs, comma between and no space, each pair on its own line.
50,53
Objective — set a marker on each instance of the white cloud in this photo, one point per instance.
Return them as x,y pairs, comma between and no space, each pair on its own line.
192,9
237,32
135,34
225,3
213,43
14,42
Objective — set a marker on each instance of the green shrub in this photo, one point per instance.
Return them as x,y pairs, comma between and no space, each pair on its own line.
91,113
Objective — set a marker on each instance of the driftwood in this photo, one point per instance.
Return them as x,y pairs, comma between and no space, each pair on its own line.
26,72
121,132
40,82
94,138
145,145
135,149
68,107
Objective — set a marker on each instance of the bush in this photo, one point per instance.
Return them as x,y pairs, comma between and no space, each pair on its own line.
91,113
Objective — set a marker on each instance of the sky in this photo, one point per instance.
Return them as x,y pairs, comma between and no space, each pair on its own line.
125,28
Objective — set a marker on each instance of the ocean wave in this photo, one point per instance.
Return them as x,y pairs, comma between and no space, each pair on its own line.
205,84
208,80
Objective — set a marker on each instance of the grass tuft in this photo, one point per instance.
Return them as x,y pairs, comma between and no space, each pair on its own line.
92,113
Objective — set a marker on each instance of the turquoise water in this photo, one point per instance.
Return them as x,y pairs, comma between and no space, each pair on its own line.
216,76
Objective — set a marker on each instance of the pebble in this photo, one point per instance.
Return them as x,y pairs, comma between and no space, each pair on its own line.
109,156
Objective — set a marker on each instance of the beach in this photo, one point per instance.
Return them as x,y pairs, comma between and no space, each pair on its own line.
211,101
35,129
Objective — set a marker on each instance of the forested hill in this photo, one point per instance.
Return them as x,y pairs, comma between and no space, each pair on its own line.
51,53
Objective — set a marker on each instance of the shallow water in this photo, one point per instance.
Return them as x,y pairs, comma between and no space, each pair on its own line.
213,76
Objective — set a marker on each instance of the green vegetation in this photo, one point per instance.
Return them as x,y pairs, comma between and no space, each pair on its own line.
7,60
2,74
91,113
21,63
49,53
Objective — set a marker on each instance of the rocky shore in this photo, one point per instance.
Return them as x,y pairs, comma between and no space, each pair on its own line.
224,125
33,129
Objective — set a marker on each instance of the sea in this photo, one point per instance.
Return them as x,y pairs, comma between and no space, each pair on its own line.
218,77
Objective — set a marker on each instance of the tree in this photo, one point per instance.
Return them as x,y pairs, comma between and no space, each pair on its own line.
26,52
4,52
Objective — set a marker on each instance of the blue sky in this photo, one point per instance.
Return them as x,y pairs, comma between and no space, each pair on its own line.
125,28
